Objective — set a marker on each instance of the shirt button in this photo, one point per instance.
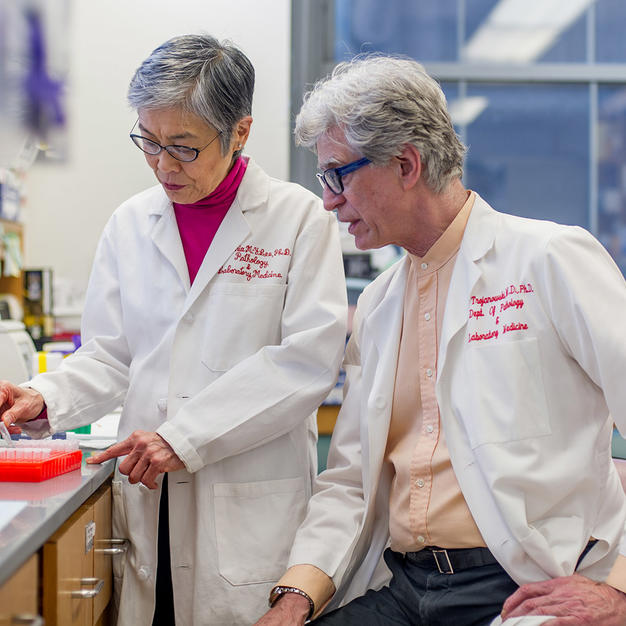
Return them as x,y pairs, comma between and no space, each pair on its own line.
424,266
421,539
429,372
427,317
162,405
143,573
429,428
420,482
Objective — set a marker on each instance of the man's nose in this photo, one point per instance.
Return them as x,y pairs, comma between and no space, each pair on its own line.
331,200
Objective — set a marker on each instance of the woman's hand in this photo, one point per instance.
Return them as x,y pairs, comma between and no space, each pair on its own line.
148,455
18,405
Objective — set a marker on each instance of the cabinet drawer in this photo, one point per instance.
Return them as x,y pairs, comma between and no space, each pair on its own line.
77,569
19,594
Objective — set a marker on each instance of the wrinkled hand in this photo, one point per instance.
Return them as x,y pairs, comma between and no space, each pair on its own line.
148,455
290,609
18,405
574,600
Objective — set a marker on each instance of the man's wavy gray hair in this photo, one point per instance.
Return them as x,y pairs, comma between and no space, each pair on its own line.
382,103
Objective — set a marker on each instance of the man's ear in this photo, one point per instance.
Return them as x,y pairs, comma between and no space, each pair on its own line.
410,165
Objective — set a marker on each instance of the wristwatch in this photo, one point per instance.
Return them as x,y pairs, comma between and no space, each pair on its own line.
280,590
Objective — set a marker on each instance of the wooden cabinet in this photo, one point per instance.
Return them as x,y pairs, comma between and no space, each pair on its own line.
13,285
77,575
19,595
102,563
326,418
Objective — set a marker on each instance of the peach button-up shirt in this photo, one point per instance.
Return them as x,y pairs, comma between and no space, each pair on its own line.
426,503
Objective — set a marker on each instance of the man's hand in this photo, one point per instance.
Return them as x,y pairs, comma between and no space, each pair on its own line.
18,405
291,609
148,455
573,600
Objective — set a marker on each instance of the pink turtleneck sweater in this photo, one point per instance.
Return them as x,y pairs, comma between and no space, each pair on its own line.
198,222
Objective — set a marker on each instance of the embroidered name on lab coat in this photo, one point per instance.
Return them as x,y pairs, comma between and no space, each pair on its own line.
254,262
509,301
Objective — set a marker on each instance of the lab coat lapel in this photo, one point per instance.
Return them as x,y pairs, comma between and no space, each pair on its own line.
384,325
477,240
253,192
166,238
232,231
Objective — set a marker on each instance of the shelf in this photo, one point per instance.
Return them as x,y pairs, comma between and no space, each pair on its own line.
13,285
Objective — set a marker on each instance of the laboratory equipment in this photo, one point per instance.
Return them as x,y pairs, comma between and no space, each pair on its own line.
34,461
17,352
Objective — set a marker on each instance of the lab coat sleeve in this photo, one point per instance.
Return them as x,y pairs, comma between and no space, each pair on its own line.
586,296
327,535
93,380
268,393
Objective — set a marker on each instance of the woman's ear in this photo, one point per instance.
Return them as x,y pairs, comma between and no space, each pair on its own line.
241,132
410,165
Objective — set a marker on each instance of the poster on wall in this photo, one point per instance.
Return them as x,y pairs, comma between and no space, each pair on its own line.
34,65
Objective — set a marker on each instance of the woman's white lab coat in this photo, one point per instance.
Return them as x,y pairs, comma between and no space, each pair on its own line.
229,371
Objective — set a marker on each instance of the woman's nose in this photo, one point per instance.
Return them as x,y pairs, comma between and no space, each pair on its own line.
166,162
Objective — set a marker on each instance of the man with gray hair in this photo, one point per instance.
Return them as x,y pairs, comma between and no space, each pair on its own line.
473,446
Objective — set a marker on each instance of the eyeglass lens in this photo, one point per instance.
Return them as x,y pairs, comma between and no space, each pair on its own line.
182,153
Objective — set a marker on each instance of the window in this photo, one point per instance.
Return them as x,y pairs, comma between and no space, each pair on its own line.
537,90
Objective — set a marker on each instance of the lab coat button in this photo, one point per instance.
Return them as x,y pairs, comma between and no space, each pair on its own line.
380,402
143,573
162,404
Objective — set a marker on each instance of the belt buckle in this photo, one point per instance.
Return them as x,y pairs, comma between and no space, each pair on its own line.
450,569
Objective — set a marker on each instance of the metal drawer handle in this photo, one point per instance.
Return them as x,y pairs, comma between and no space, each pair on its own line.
89,593
120,546
33,620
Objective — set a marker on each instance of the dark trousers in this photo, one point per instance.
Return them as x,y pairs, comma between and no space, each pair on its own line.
419,595
164,609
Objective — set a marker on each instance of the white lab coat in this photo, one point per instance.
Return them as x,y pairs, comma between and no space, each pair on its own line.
525,413
230,372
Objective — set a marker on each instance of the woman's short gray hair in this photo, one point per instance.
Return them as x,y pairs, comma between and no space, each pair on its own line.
382,103
212,79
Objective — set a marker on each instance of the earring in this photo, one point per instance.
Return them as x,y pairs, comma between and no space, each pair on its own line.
239,147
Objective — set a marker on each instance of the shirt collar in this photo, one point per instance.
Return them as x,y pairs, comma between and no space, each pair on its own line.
448,243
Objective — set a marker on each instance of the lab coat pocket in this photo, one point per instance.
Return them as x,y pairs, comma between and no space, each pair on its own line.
507,401
255,524
241,319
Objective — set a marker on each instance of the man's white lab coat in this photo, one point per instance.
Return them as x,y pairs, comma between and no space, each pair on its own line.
532,358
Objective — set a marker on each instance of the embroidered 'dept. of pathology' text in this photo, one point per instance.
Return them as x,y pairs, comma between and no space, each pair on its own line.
495,312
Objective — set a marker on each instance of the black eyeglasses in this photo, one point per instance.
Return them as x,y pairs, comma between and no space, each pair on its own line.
332,178
180,153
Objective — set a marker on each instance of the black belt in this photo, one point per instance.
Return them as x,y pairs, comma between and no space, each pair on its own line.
451,561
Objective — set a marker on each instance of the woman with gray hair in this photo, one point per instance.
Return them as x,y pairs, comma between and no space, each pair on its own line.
216,313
